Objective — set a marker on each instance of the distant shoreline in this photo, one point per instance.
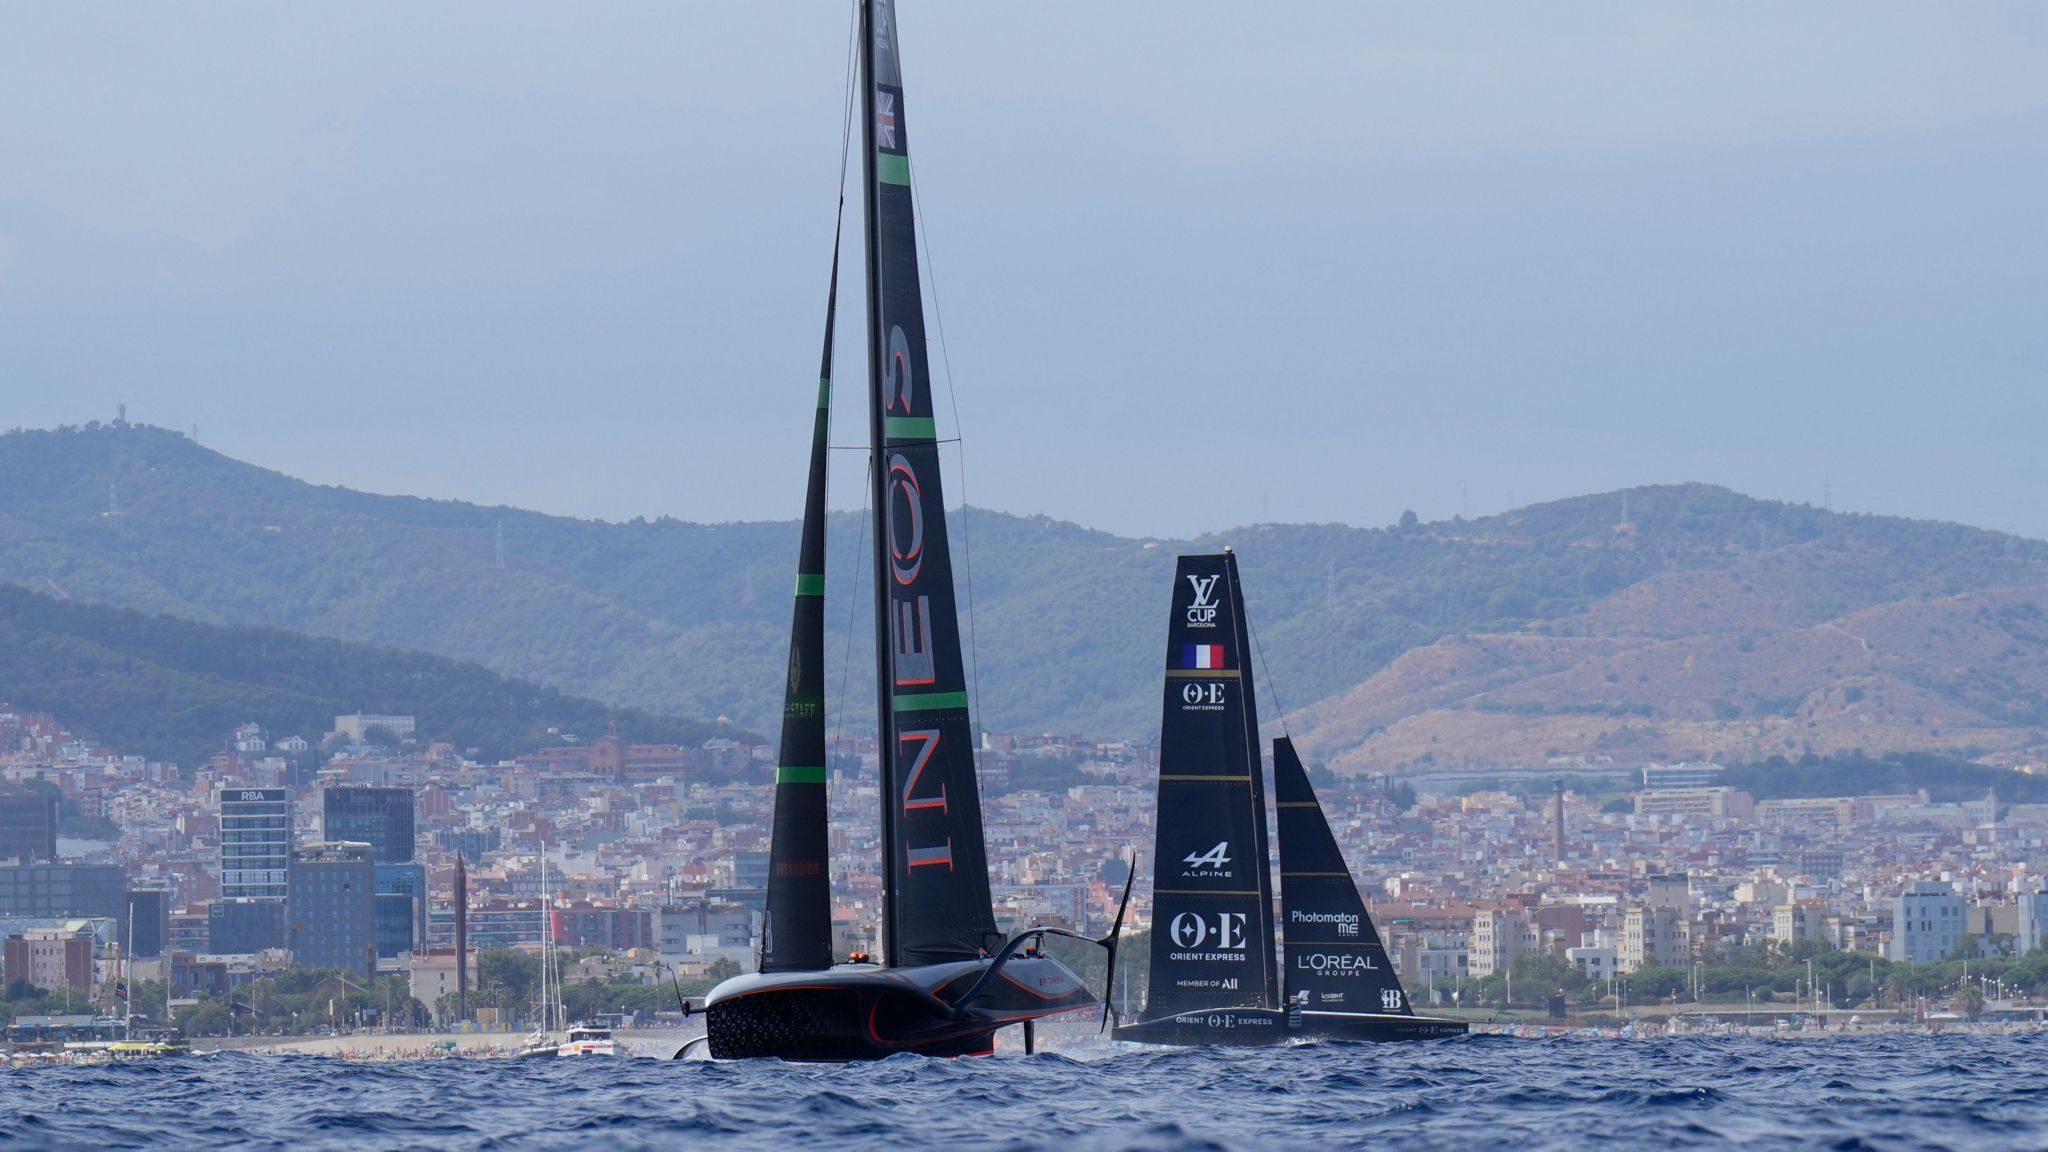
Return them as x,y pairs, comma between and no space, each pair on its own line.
428,1045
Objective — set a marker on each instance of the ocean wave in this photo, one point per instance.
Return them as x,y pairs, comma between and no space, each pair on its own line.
1887,1092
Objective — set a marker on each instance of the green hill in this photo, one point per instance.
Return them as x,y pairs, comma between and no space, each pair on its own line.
683,618
172,689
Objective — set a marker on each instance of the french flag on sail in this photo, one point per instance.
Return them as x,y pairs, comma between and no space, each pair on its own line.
1203,656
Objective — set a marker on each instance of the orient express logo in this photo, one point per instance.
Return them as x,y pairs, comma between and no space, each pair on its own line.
1202,613
1211,863
1194,932
1196,696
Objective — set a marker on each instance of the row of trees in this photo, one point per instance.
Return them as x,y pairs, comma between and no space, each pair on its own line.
1766,974
299,1001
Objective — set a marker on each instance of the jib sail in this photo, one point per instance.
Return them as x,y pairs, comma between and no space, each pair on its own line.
1333,955
798,933
1212,895
936,906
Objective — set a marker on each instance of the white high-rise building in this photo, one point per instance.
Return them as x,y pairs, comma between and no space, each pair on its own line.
255,842
1927,923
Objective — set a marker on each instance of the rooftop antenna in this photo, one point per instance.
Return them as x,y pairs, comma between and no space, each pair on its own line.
195,433
120,415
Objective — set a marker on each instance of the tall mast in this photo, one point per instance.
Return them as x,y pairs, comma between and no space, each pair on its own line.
878,477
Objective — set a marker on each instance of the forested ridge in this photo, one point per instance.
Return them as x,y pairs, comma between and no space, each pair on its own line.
172,689
1067,624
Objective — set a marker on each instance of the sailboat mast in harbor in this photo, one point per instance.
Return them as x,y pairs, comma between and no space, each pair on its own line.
1213,977
949,980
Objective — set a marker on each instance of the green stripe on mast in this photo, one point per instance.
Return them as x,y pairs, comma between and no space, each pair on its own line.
929,702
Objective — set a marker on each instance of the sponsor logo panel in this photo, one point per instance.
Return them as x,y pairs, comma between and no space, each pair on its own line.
1202,612
1213,863
1346,922
1204,696
1336,963
1198,937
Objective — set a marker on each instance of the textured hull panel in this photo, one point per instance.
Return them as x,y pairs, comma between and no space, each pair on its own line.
1257,1026
862,1012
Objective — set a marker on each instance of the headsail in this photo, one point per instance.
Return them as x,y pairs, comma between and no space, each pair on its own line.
937,904
1212,896
798,932
1333,953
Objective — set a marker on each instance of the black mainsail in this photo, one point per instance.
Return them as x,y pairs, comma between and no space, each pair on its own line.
1213,978
937,905
951,982
1333,954
1212,895
797,933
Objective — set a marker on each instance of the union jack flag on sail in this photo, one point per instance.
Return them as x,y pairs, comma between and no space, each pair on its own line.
885,119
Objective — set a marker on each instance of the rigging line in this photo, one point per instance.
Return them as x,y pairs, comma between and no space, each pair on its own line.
931,273
846,112
860,543
1266,670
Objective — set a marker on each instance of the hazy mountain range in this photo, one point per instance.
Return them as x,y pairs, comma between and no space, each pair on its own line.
1664,621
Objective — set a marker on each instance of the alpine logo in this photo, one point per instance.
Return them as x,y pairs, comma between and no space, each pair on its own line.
1202,613
1210,863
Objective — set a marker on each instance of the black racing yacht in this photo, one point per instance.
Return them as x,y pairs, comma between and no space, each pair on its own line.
1213,974
946,980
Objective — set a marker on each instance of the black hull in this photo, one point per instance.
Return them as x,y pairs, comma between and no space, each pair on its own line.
862,1012
1252,1027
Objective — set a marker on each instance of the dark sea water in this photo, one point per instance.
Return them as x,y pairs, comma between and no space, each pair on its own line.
1476,1092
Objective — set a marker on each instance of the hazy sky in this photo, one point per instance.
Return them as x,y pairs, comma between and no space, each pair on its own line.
1199,263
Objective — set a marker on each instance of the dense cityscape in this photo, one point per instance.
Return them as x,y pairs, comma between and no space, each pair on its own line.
330,860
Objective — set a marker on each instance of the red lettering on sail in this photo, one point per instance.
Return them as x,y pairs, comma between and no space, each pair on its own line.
928,743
